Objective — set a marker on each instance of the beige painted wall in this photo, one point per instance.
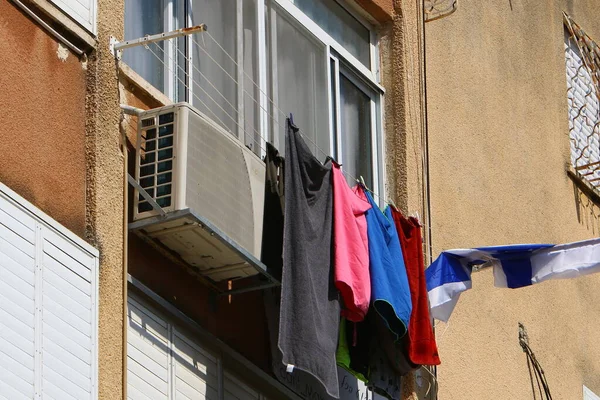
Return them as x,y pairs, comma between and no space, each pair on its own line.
499,145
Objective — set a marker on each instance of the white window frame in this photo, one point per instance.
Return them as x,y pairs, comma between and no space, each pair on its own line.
76,9
366,79
319,33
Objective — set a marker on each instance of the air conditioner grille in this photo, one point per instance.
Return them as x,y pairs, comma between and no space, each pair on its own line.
156,165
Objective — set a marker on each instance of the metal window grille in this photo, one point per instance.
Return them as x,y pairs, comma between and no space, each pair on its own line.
582,57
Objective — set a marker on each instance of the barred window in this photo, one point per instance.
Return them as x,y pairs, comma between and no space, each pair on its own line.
582,58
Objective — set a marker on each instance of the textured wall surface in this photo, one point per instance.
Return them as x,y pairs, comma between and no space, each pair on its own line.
105,163
42,98
499,145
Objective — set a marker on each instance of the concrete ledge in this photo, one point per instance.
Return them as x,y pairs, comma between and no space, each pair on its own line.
380,10
143,85
56,18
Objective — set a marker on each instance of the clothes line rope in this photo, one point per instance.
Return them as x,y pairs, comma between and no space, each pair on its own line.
305,136
220,120
208,95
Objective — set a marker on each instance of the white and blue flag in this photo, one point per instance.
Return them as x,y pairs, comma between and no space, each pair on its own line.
514,267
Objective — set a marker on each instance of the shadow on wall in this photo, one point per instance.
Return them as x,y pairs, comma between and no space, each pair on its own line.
588,211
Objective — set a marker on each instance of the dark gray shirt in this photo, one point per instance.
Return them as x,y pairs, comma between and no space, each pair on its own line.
310,310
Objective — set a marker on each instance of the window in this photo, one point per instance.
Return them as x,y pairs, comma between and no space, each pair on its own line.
48,306
82,11
262,60
583,101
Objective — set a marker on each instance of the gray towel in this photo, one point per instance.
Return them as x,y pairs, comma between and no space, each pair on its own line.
310,309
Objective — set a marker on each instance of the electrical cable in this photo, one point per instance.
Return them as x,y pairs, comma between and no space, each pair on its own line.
532,362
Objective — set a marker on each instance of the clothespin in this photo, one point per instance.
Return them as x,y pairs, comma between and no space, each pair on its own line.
391,203
362,181
416,215
292,119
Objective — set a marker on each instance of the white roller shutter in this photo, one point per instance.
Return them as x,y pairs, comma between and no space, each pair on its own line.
163,362
237,390
82,11
48,306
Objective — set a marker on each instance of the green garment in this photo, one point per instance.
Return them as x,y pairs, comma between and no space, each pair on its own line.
342,354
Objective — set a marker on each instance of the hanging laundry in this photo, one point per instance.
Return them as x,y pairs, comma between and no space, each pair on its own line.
351,248
272,234
390,294
362,353
396,351
382,378
272,244
421,345
310,309
514,267
346,342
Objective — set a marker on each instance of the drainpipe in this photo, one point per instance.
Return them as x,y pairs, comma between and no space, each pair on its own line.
425,143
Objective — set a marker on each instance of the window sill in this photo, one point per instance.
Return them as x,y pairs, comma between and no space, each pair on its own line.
592,192
139,83
56,18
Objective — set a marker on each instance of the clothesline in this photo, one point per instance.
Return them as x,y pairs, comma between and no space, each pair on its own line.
376,261
305,136
271,116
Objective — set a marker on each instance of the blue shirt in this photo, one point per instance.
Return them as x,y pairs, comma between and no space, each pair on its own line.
390,293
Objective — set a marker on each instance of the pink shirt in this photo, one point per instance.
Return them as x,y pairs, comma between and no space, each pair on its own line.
351,248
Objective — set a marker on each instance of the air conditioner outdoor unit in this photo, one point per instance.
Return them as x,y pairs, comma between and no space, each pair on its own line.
206,181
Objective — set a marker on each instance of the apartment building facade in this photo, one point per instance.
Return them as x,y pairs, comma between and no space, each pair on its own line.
471,119
129,318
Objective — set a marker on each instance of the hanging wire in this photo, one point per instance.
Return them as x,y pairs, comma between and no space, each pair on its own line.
270,115
207,94
533,363
220,120
435,382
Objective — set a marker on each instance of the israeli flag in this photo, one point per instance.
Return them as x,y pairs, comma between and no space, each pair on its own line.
514,267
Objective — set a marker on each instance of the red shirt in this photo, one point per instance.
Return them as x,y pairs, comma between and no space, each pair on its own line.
422,348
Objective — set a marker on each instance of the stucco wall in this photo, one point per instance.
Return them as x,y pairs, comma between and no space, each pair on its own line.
42,98
499,145
105,188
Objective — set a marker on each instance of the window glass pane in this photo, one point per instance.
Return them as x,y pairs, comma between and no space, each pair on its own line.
356,146
341,25
145,17
251,91
181,54
214,89
302,82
